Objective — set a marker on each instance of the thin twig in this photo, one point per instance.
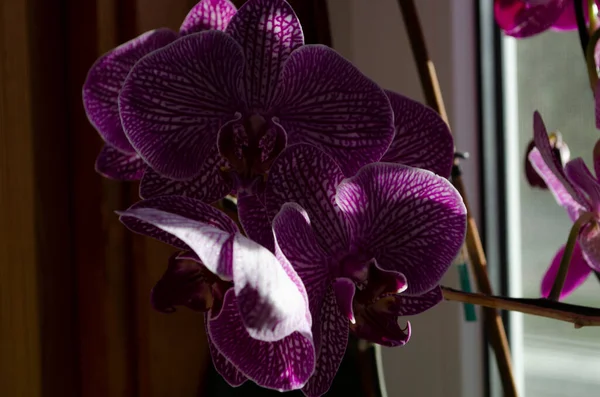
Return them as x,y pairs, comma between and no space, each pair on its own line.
433,96
580,316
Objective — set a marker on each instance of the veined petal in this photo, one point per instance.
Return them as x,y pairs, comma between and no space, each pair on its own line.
105,80
553,163
558,189
410,220
282,365
422,140
271,305
207,15
406,305
268,31
381,328
326,101
333,342
344,289
297,242
581,176
187,224
226,369
521,18
255,220
305,175
578,272
175,100
114,164
209,186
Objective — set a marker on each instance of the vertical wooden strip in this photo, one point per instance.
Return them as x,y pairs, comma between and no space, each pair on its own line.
57,280
20,366
101,245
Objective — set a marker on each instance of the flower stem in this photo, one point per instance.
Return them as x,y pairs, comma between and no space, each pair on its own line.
563,268
592,17
591,59
581,26
580,316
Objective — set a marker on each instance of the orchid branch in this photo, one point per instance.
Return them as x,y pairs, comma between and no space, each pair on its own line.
580,316
592,16
590,59
563,269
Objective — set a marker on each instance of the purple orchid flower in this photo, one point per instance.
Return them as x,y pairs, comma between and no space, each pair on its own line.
258,319
577,190
561,152
212,110
369,248
118,159
525,18
422,139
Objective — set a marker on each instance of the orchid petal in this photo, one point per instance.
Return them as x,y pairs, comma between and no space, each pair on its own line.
330,351
520,18
589,241
422,140
185,283
596,157
271,305
581,176
578,272
105,80
175,100
268,31
553,163
114,164
255,220
307,176
326,101
225,368
209,186
558,189
410,220
381,328
406,305
282,365
187,224
208,15
344,289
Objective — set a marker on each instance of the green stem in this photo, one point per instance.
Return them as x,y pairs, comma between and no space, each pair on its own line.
566,258
592,16
590,59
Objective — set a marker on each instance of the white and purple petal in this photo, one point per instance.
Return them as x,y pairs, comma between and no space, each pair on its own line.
187,224
553,165
115,164
208,15
305,175
209,186
272,305
559,191
176,99
268,31
580,175
410,220
422,139
326,101
105,80
286,364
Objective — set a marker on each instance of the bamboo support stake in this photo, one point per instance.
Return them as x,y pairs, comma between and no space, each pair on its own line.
492,320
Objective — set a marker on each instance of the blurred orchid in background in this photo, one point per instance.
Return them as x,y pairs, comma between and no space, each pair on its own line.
525,18
118,159
561,152
577,190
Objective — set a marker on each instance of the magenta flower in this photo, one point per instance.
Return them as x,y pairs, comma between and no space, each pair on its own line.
525,18
577,190
118,159
258,320
213,110
561,152
369,248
